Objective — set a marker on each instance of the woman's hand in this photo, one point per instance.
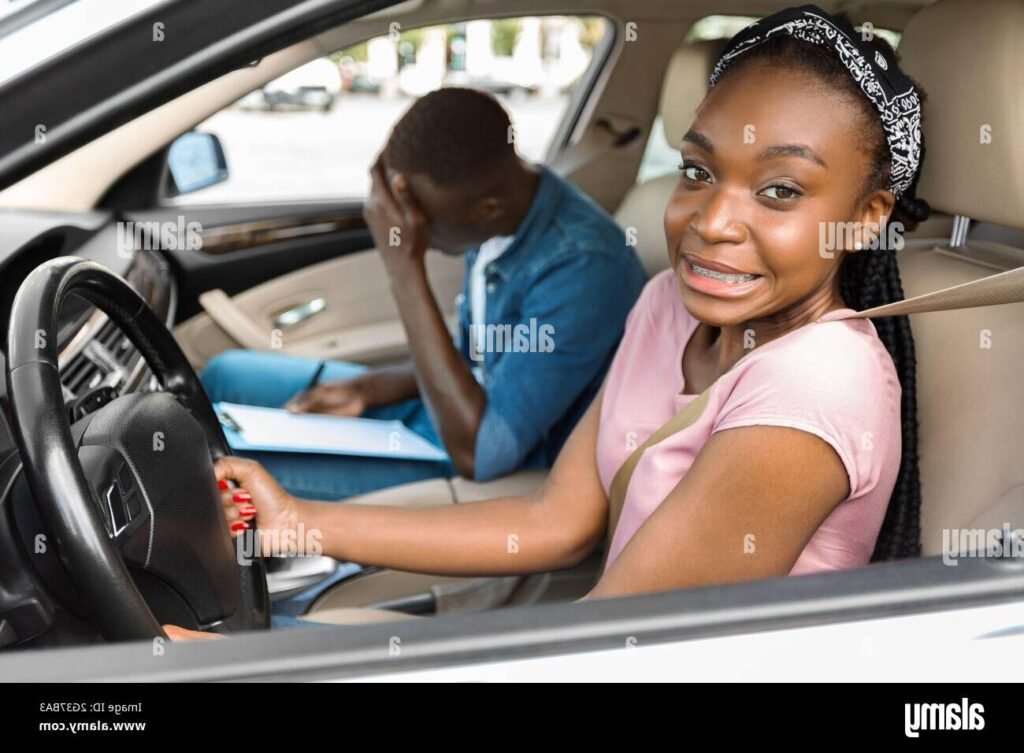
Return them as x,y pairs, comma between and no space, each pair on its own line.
258,500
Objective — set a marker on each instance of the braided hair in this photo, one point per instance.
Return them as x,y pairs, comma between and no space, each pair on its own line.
871,276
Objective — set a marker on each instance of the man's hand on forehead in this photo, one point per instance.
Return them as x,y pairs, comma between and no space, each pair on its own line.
396,182
396,222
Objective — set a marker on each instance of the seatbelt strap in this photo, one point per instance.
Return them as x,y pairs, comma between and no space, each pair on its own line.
1006,287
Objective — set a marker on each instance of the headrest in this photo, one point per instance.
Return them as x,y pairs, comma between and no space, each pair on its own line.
968,55
684,87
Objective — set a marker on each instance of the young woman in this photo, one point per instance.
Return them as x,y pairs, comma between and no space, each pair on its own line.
745,430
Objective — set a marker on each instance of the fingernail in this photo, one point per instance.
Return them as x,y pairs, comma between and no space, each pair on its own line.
222,485
247,511
238,525
241,496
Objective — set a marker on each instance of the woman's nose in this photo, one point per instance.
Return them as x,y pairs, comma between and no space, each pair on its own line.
717,219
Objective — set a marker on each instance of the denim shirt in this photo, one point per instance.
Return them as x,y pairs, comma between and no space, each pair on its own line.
557,301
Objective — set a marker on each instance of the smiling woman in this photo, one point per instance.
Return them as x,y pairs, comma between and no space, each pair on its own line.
763,198
745,430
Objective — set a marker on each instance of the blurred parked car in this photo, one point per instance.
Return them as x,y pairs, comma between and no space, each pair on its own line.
313,86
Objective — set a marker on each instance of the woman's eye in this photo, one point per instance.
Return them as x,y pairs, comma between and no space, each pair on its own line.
695,173
781,192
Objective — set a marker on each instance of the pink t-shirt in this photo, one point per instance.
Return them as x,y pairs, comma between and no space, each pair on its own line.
834,379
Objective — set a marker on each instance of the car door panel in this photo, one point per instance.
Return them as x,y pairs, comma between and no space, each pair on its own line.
243,246
358,322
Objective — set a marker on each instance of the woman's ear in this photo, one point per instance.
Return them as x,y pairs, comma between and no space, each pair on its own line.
872,215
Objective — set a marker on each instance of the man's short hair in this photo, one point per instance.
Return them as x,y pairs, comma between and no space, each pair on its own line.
453,136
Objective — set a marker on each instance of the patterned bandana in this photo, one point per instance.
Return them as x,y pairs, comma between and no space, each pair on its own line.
881,81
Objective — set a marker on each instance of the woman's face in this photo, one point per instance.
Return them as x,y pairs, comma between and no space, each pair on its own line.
771,155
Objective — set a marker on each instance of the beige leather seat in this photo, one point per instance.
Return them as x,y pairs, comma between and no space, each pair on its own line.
968,55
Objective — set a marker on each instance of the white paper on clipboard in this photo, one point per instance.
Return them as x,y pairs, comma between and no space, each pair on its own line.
250,427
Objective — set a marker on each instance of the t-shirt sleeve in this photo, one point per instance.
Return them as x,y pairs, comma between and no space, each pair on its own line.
828,384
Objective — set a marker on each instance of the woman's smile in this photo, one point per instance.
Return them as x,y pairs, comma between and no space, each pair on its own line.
715,279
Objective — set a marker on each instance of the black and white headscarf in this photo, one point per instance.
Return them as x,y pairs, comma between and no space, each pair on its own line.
880,79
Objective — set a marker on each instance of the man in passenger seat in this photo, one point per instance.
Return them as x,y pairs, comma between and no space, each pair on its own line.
549,281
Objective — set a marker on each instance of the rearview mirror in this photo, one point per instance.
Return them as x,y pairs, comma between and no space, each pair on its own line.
194,161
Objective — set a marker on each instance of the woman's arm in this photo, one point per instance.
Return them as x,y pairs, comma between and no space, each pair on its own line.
745,510
554,528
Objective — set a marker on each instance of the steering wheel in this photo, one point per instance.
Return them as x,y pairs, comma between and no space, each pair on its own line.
129,492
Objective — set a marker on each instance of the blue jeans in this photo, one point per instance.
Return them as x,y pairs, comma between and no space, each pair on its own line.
252,377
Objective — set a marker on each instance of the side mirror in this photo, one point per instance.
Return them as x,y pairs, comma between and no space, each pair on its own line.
194,161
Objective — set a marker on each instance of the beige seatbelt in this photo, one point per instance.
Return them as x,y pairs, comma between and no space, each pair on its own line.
1006,287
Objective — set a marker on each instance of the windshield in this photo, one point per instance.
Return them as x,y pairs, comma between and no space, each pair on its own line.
33,31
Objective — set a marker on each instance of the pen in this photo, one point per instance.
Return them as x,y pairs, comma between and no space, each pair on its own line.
292,405
316,376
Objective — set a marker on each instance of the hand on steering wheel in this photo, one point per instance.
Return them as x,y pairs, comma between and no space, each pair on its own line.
258,499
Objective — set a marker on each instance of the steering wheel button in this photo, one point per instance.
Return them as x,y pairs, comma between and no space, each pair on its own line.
118,510
134,504
125,479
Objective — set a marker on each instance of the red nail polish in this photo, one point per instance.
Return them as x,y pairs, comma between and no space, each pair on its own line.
247,512
238,525
222,485
241,496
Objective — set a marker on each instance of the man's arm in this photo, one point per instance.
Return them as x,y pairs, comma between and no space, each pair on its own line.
578,307
452,395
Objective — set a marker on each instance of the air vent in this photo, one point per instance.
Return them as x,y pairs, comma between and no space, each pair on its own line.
100,355
105,360
116,343
81,375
